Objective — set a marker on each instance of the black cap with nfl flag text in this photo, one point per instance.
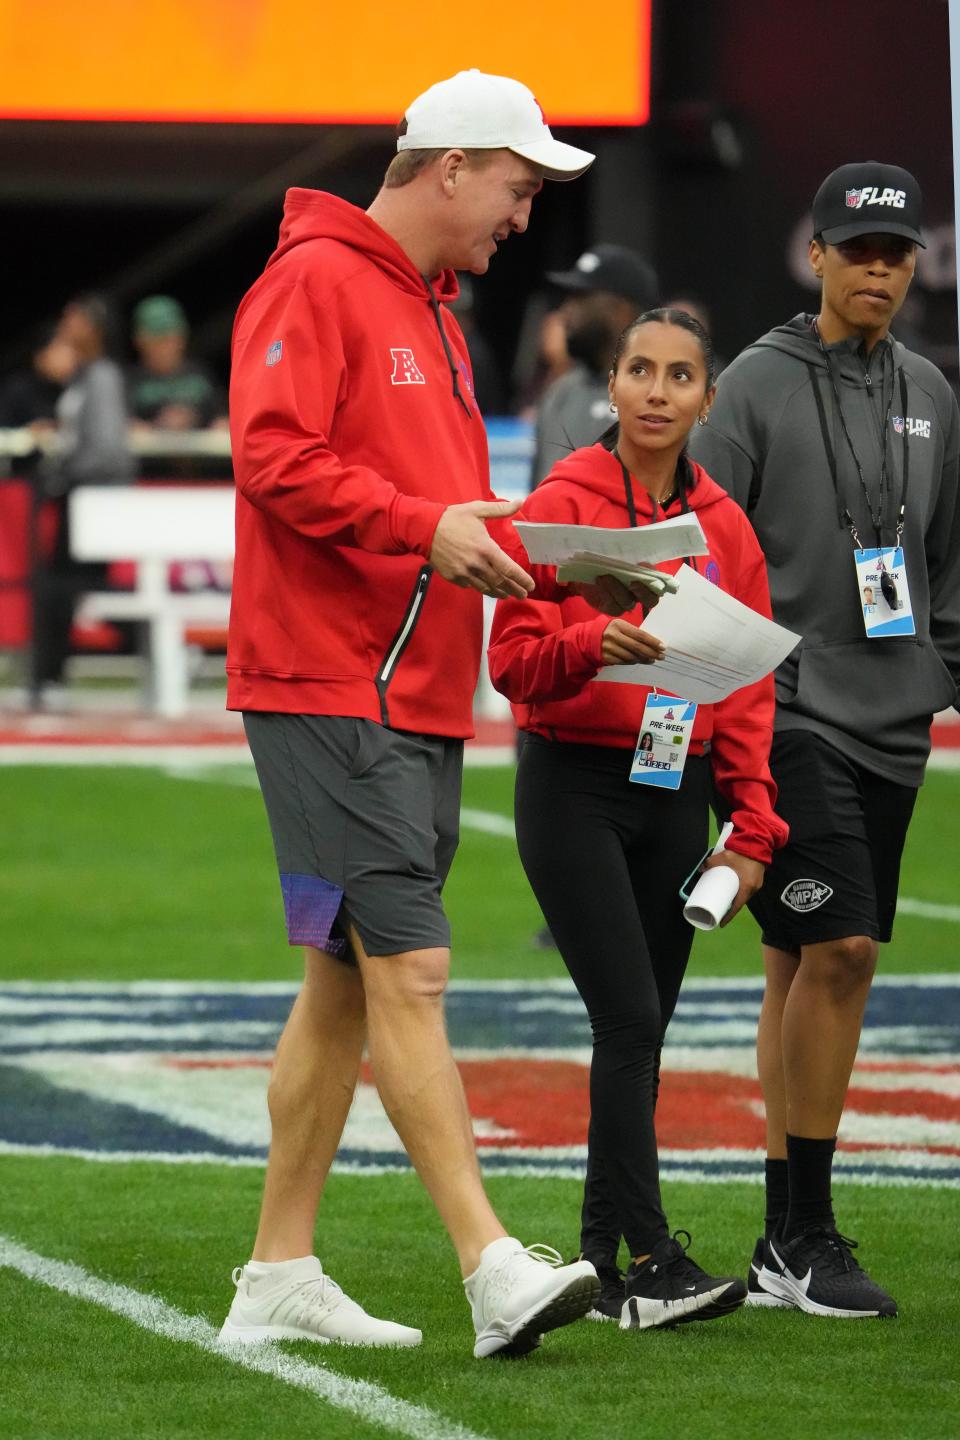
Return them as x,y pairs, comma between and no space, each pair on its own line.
868,198
474,111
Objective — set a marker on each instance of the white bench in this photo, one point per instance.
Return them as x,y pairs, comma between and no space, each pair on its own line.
156,526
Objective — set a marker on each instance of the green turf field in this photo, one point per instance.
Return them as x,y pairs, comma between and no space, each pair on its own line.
131,874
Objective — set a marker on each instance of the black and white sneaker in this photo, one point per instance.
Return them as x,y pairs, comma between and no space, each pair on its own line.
609,1306
820,1275
765,1267
670,1288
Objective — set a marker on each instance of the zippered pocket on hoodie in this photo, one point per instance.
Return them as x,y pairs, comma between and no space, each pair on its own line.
401,639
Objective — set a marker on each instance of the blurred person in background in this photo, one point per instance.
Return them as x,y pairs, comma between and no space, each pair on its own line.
843,447
168,389
696,307
92,449
29,397
488,387
607,288
541,355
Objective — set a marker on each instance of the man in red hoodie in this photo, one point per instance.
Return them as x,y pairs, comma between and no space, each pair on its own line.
362,555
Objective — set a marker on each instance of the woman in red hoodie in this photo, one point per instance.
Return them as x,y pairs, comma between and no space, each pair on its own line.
605,857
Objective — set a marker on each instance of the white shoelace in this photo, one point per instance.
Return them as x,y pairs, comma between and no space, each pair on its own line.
313,1298
317,1297
501,1276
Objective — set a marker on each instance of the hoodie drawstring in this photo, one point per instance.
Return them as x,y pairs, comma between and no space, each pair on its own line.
454,368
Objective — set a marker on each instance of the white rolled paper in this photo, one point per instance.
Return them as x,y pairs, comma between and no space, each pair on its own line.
711,897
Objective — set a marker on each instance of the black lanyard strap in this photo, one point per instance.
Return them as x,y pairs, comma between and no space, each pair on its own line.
684,475
628,491
843,510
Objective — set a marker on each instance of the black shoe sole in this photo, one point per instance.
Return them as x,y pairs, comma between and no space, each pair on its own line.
731,1299
572,1304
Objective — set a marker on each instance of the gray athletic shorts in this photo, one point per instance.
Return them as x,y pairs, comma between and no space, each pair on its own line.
365,823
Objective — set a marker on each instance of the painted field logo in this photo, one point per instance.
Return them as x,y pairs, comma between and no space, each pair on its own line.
178,1072
804,895
406,371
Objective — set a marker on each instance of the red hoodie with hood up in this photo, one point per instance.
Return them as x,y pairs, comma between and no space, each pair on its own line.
353,426
543,655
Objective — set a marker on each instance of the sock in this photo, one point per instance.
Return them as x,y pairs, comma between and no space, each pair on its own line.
778,1193
809,1164
275,1269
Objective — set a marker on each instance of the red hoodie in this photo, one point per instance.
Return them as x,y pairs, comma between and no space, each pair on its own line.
543,654
349,441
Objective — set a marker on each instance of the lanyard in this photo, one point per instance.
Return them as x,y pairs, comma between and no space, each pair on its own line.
843,510
632,506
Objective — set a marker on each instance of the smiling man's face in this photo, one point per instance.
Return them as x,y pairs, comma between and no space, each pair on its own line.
865,280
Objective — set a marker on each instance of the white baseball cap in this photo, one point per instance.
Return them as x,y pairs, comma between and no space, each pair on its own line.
474,111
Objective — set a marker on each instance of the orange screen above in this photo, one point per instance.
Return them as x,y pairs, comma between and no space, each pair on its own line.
311,60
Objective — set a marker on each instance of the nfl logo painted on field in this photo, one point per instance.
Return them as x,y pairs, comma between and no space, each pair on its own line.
178,1073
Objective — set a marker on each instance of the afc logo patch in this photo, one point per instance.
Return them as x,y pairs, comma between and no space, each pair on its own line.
406,371
804,895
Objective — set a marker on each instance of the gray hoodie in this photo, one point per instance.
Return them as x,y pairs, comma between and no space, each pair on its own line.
872,699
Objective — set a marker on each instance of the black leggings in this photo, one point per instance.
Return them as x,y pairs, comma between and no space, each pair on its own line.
606,859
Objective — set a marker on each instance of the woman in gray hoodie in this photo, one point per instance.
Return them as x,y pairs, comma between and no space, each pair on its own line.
842,446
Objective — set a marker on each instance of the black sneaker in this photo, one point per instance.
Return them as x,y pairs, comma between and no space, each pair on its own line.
612,1293
764,1268
670,1288
821,1276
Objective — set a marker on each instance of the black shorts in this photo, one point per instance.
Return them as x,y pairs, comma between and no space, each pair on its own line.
838,874
365,824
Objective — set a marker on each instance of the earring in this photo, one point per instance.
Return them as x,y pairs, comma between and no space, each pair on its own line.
613,408
701,419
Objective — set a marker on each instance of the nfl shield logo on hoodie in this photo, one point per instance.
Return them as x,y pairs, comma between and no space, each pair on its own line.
274,353
406,371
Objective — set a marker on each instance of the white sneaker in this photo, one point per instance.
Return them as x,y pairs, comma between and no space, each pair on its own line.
517,1294
300,1302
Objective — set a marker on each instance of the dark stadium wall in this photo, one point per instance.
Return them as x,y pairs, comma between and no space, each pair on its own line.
754,104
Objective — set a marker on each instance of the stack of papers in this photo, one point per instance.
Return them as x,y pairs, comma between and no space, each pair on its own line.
715,644
582,552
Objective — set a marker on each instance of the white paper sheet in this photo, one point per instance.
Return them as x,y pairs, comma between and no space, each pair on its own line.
715,644
644,545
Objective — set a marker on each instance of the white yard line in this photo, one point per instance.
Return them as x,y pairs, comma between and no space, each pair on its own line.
203,763
201,759
488,822
853,1167
552,984
491,823
928,911
368,1402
